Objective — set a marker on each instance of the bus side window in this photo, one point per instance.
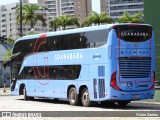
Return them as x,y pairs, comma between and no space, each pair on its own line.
84,41
30,72
51,43
75,41
54,45
53,73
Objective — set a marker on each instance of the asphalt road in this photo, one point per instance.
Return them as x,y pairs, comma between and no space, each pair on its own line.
16,103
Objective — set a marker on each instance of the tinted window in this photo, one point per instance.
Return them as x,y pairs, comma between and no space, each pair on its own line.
77,41
60,72
63,42
23,46
134,33
96,38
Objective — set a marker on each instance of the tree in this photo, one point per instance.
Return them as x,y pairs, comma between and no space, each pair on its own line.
63,21
30,14
53,24
10,41
127,18
97,18
8,54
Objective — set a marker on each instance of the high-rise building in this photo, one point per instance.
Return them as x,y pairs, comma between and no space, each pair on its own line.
116,8
56,8
82,9
66,7
103,5
51,8
9,24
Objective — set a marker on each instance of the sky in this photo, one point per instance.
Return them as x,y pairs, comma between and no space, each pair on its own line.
4,2
96,6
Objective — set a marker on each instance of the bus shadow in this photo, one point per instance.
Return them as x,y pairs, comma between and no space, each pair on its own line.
47,101
130,106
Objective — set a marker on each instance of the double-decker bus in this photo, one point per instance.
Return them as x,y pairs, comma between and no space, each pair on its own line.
109,64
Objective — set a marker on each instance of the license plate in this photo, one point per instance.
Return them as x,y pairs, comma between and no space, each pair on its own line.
135,96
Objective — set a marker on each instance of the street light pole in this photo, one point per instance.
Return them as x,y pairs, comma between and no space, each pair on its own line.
52,18
21,32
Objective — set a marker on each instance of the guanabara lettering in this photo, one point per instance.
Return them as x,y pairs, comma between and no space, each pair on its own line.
138,34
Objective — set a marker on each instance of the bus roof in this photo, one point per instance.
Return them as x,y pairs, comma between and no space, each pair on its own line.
77,30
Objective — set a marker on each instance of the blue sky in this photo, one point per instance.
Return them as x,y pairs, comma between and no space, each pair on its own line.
4,2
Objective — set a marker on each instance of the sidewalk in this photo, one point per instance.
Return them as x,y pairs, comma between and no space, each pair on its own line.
8,91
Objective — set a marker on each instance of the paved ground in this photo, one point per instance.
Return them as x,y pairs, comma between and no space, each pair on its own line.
16,103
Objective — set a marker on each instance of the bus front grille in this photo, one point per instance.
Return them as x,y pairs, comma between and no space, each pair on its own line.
135,67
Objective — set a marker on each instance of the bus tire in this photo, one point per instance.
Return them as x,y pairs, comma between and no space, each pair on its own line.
123,103
85,98
25,95
73,97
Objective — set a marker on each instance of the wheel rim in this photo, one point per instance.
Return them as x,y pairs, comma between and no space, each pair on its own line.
73,97
24,92
86,97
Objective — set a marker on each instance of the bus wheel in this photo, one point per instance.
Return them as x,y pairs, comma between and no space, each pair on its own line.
73,97
25,95
123,103
85,98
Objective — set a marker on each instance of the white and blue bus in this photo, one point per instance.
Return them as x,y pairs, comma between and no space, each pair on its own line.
106,64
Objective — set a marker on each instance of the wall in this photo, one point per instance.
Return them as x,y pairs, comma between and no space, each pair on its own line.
152,16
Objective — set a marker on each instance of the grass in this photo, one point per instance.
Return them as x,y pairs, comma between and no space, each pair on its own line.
156,97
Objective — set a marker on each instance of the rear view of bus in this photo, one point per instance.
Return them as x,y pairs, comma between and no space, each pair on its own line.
133,63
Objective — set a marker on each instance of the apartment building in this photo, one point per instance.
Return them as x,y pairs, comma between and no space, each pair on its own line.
79,8
56,8
67,7
9,24
82,9
116,8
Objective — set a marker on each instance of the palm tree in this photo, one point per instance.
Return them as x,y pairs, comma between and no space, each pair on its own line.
30,14
97,18
127,18
53,24
64,21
